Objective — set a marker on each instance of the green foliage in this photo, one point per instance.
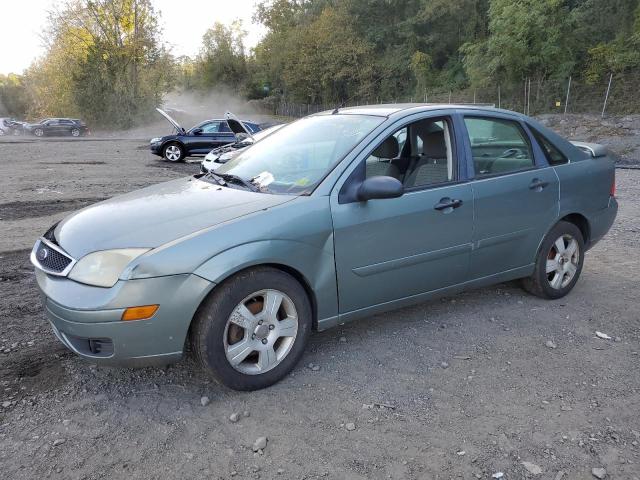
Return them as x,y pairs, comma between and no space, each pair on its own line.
528,38
14,99
105,60
104,63
222,60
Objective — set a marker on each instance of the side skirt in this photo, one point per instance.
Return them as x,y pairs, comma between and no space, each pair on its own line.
513,274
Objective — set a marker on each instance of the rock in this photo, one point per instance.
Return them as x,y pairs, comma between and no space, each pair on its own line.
350,426
246,414
313,367
559,475
6,404
497,475
234,417
259,444
66,422
204,401
550,344
599,472
58,441
280,471
343,339
532,468
461,453
603,336
444,365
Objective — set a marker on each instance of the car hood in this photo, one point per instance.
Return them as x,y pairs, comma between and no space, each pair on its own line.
155,215
175,124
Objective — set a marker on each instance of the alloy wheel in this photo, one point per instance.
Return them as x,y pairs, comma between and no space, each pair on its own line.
563,260
173,153
38,132
75,132
260,332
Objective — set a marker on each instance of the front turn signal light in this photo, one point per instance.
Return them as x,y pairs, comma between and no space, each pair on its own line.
139,313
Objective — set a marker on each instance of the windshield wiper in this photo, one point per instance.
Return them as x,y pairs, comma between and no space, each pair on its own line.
231,178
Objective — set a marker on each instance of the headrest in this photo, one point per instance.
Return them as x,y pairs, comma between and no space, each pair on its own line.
433,145
387,149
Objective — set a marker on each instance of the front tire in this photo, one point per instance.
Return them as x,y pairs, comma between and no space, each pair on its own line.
38,132
75,132
252,329
558,264
173,152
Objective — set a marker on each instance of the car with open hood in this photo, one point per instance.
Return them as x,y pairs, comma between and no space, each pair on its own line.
221,155
201,138
337,216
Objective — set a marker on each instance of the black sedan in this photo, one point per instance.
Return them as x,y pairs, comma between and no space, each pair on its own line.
57,127
200,139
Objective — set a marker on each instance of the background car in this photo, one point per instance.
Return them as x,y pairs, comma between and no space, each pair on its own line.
10,126
198,140
221,155
57,127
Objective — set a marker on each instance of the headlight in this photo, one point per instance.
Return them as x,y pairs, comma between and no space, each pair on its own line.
155,140
102,269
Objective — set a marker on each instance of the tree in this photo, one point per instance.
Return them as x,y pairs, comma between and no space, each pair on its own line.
222,60
104,62
527,38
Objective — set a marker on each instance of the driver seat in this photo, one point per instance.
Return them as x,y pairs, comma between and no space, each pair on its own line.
380,163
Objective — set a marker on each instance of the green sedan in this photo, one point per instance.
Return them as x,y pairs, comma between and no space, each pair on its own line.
335,217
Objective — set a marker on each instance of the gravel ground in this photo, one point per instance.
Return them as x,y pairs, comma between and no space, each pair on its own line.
493,380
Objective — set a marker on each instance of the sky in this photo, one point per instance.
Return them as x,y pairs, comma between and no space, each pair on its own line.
183,21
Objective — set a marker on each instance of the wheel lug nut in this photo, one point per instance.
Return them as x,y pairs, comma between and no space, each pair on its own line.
264,341
271,327
260,322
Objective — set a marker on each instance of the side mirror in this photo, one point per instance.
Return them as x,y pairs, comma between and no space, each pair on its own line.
380,187
197,131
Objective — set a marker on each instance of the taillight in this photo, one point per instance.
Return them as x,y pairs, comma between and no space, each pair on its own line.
612,192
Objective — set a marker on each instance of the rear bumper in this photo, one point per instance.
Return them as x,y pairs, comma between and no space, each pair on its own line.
601,222
87,320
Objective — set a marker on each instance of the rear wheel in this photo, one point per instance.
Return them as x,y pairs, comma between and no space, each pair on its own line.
173,152
559,262
75,132
252,330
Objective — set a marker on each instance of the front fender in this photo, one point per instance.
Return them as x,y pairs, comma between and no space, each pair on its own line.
315,265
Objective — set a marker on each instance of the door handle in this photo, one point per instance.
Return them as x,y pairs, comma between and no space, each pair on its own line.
447,203
537,184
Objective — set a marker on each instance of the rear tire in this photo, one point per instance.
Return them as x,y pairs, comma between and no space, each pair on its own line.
558,264
252,329
75,132
173,152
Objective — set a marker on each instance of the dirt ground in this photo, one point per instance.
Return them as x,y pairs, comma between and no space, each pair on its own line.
463,387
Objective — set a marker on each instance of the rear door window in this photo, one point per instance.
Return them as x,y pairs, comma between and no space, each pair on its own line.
498,146
554,156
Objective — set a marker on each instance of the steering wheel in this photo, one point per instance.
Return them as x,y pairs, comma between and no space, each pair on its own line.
512,152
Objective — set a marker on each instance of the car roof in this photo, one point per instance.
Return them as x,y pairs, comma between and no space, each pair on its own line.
386,110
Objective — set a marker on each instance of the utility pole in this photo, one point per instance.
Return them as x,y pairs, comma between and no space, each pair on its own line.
606,97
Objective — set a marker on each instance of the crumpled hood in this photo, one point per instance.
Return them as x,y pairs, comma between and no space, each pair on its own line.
155,215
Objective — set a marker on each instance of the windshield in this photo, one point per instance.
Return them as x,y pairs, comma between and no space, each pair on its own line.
296,157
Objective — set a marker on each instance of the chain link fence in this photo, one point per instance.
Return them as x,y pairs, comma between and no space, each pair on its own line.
615,94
